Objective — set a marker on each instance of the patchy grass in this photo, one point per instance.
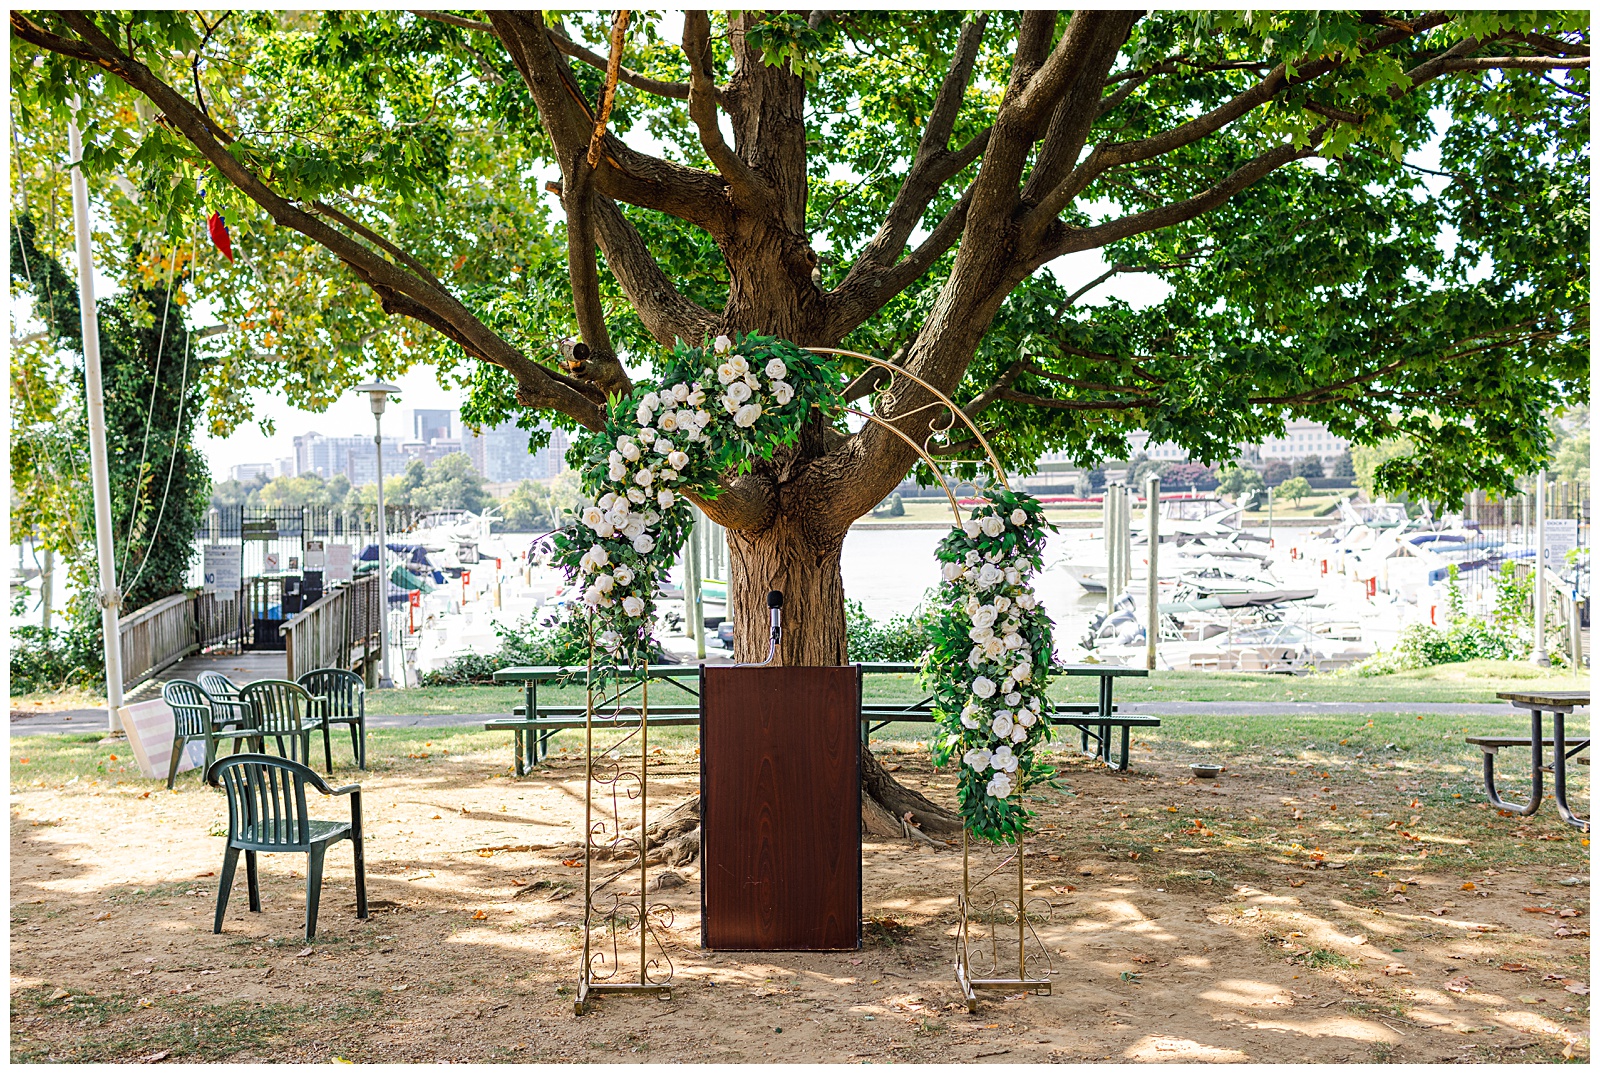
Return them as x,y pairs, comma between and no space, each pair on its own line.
49,1027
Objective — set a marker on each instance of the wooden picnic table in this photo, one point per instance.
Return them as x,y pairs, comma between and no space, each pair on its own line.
1560,704
532,728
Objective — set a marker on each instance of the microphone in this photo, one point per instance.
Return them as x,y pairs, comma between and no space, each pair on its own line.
775,612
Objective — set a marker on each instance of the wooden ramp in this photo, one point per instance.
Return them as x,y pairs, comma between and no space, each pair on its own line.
240,667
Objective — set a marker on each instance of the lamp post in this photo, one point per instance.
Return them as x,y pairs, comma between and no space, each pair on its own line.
379,392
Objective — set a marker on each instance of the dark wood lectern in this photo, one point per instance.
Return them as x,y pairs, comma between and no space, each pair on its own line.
780,808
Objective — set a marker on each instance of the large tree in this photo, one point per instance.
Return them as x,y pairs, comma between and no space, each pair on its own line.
1374,219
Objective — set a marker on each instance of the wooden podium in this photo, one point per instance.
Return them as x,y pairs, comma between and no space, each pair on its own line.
780,808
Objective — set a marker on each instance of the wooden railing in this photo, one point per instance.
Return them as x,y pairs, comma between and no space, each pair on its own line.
160,634
338,631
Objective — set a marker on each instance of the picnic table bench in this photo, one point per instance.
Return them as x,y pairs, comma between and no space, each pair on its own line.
1559,704
532,725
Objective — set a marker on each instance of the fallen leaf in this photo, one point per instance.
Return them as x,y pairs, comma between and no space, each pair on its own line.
1458,984
60,993
1578,989
1469,886
103,917
1539,909
1297,883
1439,911
303,952
1515,967
1396,969
480,916
398,988
1146,959
571,863
1062,889
155,1057
1358,940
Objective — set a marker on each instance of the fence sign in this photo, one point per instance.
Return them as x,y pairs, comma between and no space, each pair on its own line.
271,566
223,567
338,564
259,529
316,556
1560,537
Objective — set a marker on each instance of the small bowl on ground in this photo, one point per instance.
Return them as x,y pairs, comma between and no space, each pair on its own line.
1206,771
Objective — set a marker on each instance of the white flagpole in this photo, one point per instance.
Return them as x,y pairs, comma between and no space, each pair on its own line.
110,597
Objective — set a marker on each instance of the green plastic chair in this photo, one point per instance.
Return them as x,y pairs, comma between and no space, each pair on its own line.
267,814
281,710
226,708
343,701
194,719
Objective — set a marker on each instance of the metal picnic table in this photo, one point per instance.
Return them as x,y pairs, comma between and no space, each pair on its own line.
533,727
1560,704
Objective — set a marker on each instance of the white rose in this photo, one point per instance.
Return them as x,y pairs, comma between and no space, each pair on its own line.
1023,673
738,391
993,647
989,576
1013,577
636,494
593,516
644,543
669,474
726,374
984,617
1002,604
680,392
722,344
981,634
696,397
618,471
605,502
665,498
591,596
634,527
971,528
782,392
1018,517
605,583
746,415
999,786
729,404
740,366
643,415
1008,685
776,370
1033,702
633,606
605,529
645,478
972,605
629,449
647,436
977,759
651,518
992,525
975,657
609,640
1026,718
1001,726
1004,760
598,555
668,422
624,575
1027,601
1014,642
1013,699
1019,733
952,571
983,687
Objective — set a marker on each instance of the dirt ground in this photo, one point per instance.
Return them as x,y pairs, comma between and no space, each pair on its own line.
1182,951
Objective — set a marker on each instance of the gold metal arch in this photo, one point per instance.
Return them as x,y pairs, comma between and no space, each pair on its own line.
956,412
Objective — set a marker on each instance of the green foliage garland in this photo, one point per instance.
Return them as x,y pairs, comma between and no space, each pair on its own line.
712,411
990,659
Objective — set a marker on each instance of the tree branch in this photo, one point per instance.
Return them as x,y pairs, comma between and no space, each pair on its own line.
453,20
743,182
608,95
398,290
1060,239
678,91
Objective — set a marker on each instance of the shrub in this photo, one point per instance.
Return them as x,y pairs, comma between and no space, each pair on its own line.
1296,489
538,640
1308,466
1184,475
898,638
51,659
897,506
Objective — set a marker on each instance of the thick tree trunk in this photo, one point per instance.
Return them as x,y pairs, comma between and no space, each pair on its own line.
798,559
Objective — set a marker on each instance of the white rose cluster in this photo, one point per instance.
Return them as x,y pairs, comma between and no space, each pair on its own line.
988,563
645,474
